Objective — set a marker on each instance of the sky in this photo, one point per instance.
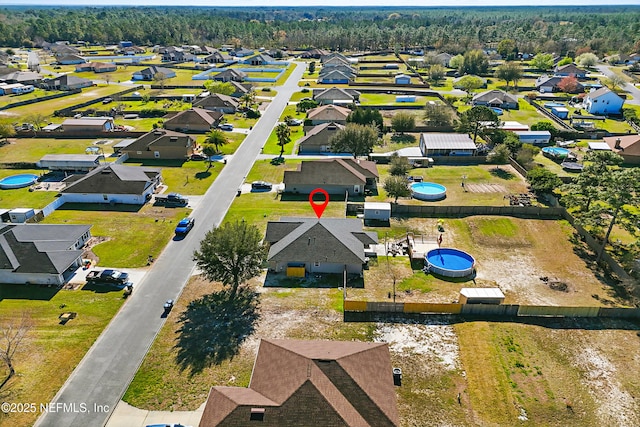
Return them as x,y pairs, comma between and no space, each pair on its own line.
354,3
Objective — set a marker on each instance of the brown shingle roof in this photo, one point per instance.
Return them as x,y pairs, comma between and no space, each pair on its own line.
329,113
194,116
354,379
331,172
629,144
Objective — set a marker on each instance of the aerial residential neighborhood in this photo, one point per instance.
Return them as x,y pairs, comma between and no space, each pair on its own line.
319,216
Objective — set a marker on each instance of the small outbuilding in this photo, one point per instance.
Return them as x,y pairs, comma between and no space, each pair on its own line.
377,211
20,215
402,79
481,296
70,162
560,112
535,137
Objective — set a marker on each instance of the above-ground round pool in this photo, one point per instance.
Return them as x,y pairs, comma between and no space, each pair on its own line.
428,191
449,262
18,181
555,152
498,111
553,104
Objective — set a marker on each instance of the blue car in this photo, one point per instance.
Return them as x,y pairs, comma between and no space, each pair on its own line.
185,225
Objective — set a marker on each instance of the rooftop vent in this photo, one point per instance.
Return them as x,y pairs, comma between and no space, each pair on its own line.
257,414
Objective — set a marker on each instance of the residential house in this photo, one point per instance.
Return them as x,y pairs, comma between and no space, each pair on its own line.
88,125
112,183
195,120
496,98
332,57
150,73
548,84
299,246
336,95
161,144
104,67
569,70
218,102
603,101
61,50
335,176
317,139
310,383
203,50
535,137
447,144
41,254
402,79
335,77
217,58
241,52
178,55
70,60
314,53
22,77
627,146
230,75
66,82
259,59
241,88
328,114
443,58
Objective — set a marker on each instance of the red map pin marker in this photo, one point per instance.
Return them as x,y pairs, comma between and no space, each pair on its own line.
319,208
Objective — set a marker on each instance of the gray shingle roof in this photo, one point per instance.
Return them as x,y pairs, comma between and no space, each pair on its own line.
39,248
113,179
330,240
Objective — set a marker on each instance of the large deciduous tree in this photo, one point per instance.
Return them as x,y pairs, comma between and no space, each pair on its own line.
367,116
542,61
437,114
509,72
224,88
403,121
396,186
587,59
232,254
477,118
569,84
436,73
12,333
475,62
507,49
543,181
355,139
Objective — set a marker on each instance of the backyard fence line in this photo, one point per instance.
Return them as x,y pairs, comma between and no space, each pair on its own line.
40,99
457,211
366,310
70,111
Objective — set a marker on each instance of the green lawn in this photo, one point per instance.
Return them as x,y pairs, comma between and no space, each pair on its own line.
147,230
234,140
37,93
51,351
238,121
451,178
47,108
33,149
299,95
391,142
272,147
22,197
386,99
189,178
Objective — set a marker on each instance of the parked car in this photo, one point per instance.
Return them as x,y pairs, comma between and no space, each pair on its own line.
110,276
295,122
226,126
107,100
185,225
198,156
261,185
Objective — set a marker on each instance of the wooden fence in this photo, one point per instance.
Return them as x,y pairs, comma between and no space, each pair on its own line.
40,99
363,310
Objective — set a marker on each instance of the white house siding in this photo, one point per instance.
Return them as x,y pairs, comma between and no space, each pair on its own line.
129,199
31,278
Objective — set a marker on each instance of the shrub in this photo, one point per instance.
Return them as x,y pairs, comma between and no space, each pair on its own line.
253,114
305,90
266,89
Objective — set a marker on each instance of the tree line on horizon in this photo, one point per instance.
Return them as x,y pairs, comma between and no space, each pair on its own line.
602,29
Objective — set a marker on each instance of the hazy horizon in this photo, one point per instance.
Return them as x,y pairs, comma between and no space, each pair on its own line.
327,3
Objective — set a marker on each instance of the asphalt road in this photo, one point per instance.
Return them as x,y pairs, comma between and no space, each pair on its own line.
99,381
628,87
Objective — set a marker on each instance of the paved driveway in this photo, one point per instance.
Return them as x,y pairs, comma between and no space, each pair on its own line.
628,87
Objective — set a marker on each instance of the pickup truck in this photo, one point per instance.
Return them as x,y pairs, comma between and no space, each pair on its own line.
171,199
109,276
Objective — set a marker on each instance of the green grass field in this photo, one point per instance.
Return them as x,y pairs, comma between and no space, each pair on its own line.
33,149
50,350
189,178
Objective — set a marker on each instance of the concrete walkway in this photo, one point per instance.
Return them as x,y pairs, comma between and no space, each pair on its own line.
125,415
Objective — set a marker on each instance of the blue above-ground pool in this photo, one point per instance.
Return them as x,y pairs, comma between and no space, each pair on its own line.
553,104
449,262
555,152
428,191
498,111
18,181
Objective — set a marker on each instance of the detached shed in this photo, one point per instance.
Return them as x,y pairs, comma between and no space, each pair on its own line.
377,211
19,215
481,296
